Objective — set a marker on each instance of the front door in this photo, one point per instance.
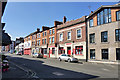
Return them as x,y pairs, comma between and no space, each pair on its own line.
69,50
118,54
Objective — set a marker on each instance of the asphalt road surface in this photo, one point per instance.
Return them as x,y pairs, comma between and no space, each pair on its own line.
28,67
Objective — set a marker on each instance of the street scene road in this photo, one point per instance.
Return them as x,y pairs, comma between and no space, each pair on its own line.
27,67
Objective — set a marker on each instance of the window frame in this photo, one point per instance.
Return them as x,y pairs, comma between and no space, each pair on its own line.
117,17
49,40
92,37
60,37
104,53
77,33
53,30
90,23
68,36
118,35
108,16
52,39
50,32
102,36
91,57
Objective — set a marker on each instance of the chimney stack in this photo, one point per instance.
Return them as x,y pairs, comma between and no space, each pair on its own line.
38,29
64,19
91,11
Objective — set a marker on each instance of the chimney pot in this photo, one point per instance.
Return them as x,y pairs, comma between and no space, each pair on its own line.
91,11
64,19
38,29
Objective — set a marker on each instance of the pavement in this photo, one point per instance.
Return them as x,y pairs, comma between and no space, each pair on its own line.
52,68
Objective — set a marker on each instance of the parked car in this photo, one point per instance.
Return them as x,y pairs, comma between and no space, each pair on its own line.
37,55
19,53
68,58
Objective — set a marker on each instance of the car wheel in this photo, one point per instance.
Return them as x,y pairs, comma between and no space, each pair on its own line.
60,59
69,60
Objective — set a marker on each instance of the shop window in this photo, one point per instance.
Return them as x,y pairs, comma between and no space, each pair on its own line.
79,50
92,53
104,53
53,50
117,53
61,50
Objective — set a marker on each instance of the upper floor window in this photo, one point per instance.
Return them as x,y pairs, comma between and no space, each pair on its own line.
45,33
69,35
33,36
79,33
61,37
104,36
39,42
104,16
52,39
91,23
118,15
42,41
28,38
45,41
50,32
38,35
92,38
117,34
53,31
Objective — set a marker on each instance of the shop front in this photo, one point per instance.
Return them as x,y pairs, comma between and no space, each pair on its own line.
52,51
27,51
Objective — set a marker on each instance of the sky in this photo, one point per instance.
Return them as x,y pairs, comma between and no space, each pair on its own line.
23,18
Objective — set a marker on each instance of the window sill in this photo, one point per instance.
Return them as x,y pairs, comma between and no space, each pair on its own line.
93,43
78,54
79,38
105,42
117,41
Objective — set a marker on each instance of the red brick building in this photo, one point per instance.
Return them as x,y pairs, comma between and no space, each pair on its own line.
71,38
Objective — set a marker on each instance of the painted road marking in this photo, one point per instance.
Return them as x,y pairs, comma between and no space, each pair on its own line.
58,73
105,69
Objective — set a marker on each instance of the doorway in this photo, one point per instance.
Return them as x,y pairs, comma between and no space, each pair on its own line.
69,50
117,53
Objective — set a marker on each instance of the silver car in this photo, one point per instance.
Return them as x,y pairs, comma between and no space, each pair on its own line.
68,58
